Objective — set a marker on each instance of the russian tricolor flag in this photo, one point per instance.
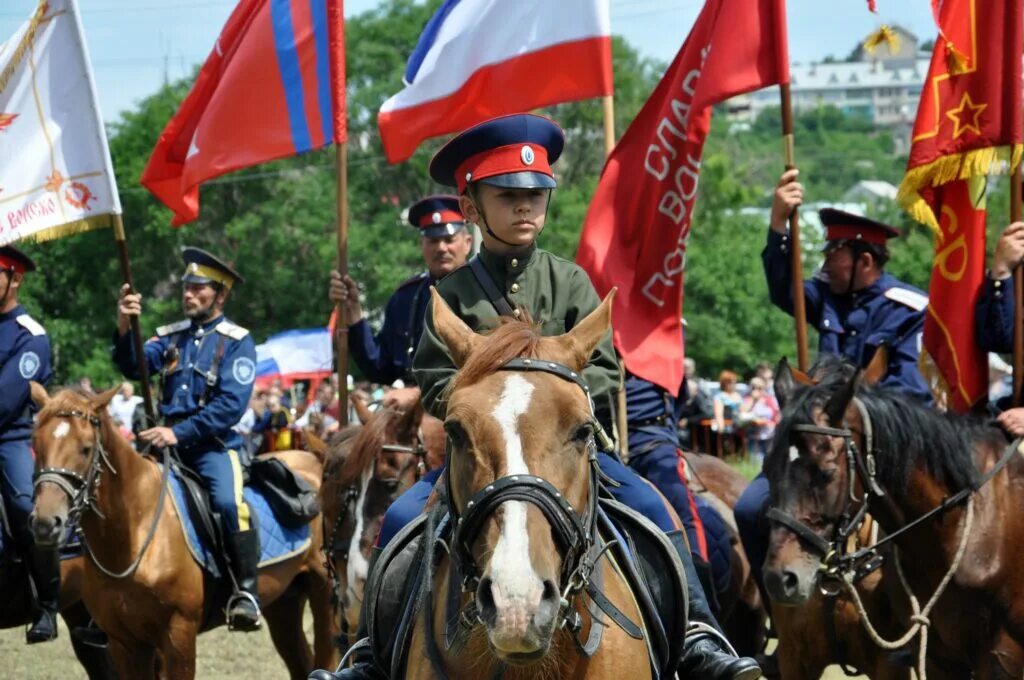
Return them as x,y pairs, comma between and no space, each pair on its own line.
273,86
478,59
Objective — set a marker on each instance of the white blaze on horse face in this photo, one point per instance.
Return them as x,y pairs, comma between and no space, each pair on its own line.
794,454
516,586
358,566
61,430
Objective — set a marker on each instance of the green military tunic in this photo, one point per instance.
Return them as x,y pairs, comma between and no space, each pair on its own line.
556,293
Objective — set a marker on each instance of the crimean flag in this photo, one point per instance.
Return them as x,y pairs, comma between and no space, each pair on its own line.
273,87
968,126
55,172
638,223
478,59
952,360
969,118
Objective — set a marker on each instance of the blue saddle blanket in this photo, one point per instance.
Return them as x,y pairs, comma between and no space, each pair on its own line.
277,542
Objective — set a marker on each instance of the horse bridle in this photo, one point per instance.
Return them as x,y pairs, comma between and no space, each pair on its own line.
836,560
333,547
81,490
574,532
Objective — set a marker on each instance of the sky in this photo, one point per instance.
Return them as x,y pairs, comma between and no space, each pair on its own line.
135,44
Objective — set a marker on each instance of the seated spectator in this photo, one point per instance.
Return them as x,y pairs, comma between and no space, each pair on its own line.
318,411
274,421
693,405
759,414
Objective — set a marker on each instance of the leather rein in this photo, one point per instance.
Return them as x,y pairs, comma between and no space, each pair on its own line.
81,490
837,562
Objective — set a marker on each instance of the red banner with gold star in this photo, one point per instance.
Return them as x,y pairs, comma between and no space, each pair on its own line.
969,118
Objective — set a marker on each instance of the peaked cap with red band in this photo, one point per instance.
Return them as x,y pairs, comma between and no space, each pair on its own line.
13,259
844,226
437,216
514,151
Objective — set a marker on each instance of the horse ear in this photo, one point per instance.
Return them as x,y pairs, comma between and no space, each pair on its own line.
878,366
411,419
837,403
585,336
363,411
453,331
784,382
39,394
102,399
315,445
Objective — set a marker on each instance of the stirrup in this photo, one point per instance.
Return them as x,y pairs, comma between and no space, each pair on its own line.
242,596
701,630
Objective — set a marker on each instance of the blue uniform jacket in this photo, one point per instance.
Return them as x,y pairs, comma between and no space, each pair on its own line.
650,414
993,316
24,356
184,354
889,311
387,357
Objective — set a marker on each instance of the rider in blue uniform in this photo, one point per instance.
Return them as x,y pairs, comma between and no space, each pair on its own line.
24,357
511,156
387,356
207,365
855,306
654,453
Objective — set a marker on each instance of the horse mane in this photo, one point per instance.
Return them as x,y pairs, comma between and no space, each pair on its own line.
365,445
905,432
512,338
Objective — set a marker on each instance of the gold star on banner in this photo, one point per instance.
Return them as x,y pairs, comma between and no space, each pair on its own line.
54,181
965,118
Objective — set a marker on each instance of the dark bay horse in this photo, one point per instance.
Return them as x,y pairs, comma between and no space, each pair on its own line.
523,434
948,493
154,608
364,472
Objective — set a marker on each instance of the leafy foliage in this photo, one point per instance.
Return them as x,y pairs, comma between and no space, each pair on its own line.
277,221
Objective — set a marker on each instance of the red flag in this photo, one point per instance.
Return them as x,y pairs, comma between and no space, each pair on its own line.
969,118
968,126
638,224
952,357
273,86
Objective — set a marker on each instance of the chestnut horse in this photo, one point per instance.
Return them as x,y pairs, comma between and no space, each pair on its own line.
17,609
153,609
948,493
520,483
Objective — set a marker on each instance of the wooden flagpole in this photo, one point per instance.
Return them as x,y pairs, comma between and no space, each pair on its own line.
341,323
136,331
1018,291
796,264
608,106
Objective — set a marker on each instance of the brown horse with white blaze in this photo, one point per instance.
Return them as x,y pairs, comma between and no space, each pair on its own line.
946,489
153,609
516,429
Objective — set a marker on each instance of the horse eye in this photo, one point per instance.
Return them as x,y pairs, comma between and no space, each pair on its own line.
456,434
583,434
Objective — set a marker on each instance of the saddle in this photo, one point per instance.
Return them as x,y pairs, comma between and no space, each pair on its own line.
646,558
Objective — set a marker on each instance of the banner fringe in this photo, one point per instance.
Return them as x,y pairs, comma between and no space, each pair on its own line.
68,229
993,160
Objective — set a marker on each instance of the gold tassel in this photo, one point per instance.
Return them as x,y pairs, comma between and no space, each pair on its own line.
956,61
886,35
993,160
76,227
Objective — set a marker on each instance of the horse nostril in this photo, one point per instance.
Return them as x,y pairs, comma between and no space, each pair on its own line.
550,604
485,602
790,582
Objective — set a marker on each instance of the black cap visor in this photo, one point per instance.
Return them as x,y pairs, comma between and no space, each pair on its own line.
521,180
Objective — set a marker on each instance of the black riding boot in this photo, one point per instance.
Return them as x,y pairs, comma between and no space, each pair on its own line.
44,570
706,651
243,610
363,664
